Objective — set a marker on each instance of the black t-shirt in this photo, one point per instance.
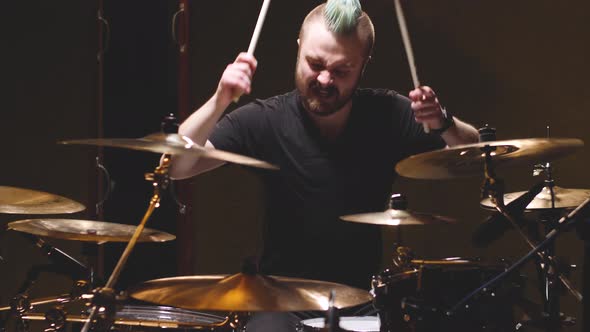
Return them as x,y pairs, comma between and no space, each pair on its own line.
319,180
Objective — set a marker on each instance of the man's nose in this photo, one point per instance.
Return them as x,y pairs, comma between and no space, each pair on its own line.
324,77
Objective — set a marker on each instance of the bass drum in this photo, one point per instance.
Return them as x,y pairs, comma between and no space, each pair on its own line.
348,324
139,318
416,300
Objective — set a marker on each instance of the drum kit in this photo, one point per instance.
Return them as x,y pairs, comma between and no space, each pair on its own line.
413,295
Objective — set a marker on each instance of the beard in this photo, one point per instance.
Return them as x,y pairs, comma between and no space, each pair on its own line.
322,101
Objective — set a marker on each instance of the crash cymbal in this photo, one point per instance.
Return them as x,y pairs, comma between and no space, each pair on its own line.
247,293
25,201
86,230
171,144
564,198
393,217
469,160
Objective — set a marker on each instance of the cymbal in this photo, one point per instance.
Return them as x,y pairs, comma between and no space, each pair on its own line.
469,160
564,198
391,217
86,230
247,293
171,144
25,201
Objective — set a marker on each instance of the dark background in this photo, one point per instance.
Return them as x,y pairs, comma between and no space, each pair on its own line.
519,66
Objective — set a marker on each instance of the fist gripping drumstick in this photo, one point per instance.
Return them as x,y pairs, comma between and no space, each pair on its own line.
408,47
256,33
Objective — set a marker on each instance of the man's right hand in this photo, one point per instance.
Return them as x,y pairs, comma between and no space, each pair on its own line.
237,78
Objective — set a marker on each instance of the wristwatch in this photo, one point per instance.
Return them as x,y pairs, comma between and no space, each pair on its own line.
448,123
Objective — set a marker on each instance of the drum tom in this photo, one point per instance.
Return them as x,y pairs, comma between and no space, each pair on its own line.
416,298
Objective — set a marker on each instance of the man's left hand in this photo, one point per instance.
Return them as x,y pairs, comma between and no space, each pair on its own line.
426,107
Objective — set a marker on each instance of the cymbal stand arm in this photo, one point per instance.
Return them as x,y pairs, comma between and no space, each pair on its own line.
160,181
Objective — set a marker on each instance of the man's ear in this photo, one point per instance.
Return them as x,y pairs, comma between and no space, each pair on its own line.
365,65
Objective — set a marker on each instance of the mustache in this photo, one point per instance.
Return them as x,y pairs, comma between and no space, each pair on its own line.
316,87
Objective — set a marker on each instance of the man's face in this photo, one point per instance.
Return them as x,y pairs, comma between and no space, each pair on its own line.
328,69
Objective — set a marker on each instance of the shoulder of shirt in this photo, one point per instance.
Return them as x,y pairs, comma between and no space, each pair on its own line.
269,104
380,94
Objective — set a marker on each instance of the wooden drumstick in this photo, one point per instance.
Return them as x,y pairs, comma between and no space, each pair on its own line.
256,33
408,47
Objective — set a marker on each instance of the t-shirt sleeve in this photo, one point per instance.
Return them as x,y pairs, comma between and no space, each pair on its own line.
240,130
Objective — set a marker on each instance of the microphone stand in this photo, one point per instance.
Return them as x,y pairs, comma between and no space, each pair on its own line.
104,298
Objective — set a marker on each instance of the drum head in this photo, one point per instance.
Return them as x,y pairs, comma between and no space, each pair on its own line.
151,316
159,316
353,324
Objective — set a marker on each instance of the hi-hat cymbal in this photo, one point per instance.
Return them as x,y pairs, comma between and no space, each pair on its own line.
25,201
469,160
393,217
247,293
564,198
86,230
171,144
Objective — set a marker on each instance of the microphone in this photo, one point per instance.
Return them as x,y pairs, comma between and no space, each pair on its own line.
497,224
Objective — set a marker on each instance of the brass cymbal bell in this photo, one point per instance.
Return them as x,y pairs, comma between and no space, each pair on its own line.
173,144
564,199
15,200
86,230
469,159
244,292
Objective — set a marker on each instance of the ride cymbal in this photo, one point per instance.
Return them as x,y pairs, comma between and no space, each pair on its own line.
469,160
247,293
86,230
173,144
564,199
391,217
25,201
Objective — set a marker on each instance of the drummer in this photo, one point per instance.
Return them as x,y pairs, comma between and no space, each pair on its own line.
336,145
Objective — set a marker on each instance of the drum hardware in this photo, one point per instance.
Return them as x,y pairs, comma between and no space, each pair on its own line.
551,277
397,215
15,200
415,297
103,300
583,208
107,191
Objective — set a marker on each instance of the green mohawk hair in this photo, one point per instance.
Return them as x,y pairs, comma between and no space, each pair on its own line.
342,15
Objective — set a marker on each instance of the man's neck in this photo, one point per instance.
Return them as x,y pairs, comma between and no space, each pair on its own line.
331,126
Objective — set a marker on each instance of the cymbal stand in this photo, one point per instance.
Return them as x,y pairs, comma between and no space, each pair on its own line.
548,268
104,299
494,188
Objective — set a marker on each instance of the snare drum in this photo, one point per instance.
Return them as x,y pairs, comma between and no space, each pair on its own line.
148,318
417,299
350,324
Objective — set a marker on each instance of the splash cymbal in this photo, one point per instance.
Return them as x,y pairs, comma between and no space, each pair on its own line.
564,198
86,230
391,217
25,201
171,144
247,293
469,160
